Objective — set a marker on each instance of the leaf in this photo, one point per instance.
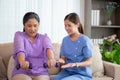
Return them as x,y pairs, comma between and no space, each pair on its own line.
107,54
116,56
110,51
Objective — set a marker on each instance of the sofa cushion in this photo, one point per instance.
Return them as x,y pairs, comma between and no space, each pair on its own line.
97,64
2,70
10,68
102,78
54,71
56,47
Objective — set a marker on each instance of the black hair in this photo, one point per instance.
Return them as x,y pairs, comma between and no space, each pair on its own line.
30,15
74,18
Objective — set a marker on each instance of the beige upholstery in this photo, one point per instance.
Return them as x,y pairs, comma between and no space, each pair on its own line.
3,75
97,64
101,70
10,68
6,50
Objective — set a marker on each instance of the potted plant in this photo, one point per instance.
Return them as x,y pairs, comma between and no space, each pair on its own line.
110,49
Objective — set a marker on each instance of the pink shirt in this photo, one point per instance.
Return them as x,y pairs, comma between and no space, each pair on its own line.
35,52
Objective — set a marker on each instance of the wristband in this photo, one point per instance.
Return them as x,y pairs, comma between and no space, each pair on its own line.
76,64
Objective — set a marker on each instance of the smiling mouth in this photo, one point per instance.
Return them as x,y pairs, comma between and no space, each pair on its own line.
68,31
32,32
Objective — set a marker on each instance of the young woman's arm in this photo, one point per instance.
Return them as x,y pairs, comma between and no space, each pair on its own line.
62,59
87,62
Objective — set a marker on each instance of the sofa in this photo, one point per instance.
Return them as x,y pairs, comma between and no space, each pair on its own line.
101,70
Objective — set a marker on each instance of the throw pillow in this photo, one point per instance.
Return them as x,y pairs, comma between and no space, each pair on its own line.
10,68
97,64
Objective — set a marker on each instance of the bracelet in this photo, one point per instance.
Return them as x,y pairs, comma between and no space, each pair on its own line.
76,64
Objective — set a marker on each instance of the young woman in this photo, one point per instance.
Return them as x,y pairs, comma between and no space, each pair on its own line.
32,49
76,52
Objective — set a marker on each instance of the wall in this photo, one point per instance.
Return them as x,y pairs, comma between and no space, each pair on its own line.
51,16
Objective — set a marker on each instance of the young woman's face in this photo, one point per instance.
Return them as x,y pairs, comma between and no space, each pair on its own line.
31,27
70,27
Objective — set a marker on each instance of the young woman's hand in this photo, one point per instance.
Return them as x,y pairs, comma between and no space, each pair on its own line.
62,61
69,65
51,63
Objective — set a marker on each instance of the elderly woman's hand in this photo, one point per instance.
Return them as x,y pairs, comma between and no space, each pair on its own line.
24,65
51,63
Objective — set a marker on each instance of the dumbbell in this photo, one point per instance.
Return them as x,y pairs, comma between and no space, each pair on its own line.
45,65
18,66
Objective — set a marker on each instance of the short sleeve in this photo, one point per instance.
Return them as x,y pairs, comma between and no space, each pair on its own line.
62,49
18,44
87,49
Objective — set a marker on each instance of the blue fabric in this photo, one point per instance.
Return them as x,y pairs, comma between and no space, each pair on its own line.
76,51
66,75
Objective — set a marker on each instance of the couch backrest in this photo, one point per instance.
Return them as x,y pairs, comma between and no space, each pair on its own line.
6,50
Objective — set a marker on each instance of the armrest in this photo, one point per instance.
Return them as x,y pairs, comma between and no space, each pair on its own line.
112,70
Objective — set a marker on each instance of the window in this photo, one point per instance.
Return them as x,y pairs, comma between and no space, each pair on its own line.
51,12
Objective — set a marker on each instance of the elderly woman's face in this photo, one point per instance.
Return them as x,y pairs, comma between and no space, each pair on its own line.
31,27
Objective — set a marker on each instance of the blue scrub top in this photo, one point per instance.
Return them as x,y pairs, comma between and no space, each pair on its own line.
77,51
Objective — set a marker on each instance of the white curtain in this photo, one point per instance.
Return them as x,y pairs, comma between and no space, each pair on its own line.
51,12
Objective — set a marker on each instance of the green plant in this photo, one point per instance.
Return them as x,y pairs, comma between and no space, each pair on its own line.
110,50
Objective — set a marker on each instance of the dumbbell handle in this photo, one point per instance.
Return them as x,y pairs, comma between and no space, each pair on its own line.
18,66
45,65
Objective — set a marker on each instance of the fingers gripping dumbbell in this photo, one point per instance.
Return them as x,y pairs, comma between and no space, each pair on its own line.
18,66
45,65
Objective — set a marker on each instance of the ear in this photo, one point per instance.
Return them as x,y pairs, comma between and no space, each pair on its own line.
78,24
